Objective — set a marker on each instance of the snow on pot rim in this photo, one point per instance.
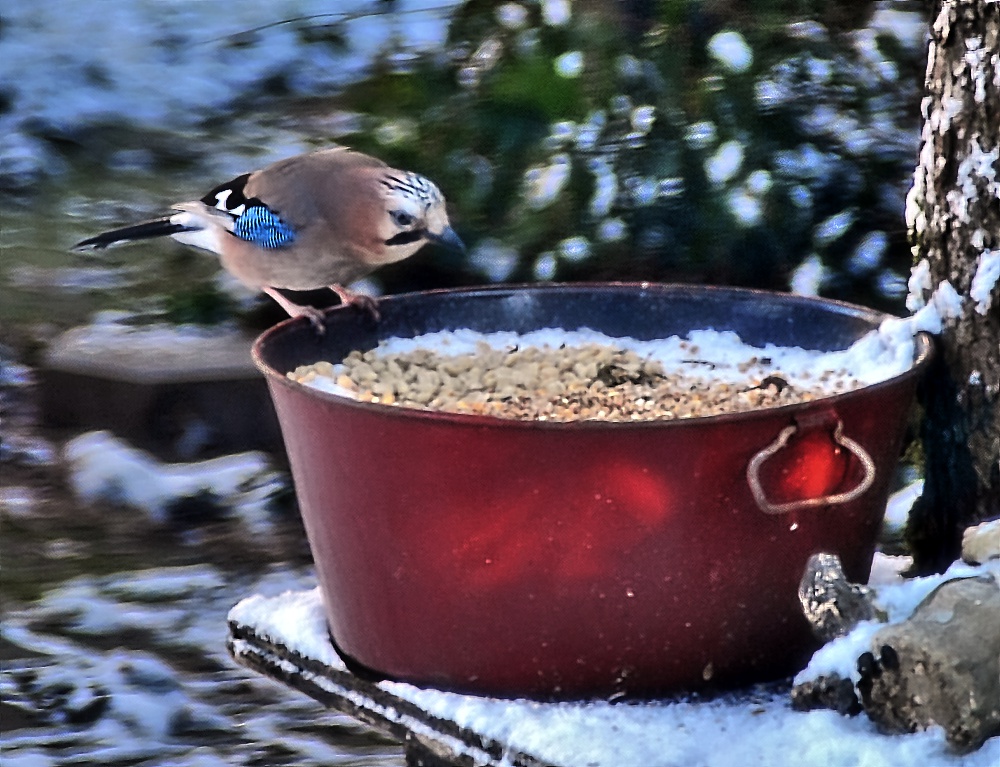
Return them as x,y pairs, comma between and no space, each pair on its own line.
570,375
584,558
903,351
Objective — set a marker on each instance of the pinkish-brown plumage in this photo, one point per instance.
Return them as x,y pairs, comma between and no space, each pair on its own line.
322,219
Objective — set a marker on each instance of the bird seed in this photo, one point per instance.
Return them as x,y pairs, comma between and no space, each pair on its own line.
590,381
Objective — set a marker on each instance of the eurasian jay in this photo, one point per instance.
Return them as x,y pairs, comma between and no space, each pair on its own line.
322,219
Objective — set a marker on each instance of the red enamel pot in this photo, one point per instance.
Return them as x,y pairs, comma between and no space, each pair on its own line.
574,560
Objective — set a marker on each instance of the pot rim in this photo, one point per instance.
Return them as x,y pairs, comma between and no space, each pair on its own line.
923,353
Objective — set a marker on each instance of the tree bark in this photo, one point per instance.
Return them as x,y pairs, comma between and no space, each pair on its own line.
953,214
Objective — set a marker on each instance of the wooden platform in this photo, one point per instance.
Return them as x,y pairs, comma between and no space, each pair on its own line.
429,741
285,638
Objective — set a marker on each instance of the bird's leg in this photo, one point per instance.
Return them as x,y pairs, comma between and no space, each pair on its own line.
314,315
362,301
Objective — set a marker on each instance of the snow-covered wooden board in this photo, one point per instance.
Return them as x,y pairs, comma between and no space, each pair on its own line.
286,638
429,740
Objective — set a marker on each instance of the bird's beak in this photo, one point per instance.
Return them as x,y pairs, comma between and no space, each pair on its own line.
448,239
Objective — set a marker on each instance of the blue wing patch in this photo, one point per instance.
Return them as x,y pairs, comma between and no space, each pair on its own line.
259,225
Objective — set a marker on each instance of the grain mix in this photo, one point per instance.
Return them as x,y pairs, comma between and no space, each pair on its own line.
589,381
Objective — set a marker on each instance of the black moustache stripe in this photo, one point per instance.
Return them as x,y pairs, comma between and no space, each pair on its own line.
405,238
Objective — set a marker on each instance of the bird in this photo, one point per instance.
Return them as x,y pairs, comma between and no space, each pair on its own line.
322,219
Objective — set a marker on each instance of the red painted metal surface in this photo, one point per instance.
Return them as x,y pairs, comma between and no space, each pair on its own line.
574,560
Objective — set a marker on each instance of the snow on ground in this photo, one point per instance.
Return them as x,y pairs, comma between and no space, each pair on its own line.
102,466
67,66
897,599
133,669
897,510
56,54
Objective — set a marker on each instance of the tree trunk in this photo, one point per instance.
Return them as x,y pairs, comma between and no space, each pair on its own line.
953,213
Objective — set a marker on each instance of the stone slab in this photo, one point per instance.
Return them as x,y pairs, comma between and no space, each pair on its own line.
182,393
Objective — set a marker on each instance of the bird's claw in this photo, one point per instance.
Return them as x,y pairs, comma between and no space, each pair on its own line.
361,300
315,317
311,313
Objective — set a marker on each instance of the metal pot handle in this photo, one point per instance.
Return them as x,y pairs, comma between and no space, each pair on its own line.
769,507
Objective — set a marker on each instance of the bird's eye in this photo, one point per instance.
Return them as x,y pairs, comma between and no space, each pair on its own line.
402,218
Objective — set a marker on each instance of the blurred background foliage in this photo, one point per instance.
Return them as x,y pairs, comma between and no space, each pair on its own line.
766,144
687,141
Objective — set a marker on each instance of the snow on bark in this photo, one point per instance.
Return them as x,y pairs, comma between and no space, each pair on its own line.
984,282
953,214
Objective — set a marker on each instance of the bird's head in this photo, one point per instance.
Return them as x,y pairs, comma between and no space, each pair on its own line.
415,214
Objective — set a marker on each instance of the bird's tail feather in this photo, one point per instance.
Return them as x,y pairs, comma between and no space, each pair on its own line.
161,227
